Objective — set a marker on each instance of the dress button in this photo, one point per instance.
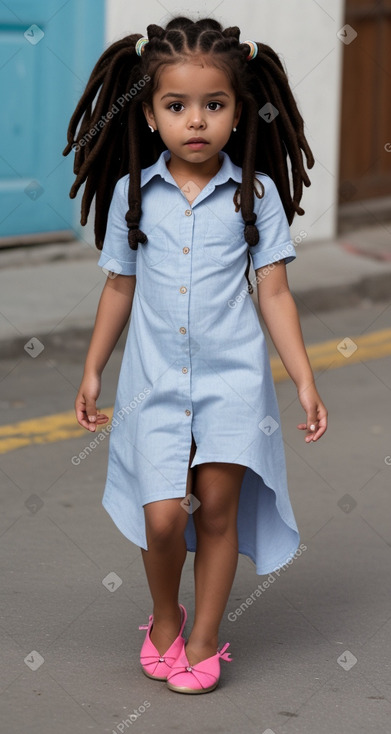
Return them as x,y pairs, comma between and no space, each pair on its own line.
183,289
187,412
188,212
182,330
186,250
184,370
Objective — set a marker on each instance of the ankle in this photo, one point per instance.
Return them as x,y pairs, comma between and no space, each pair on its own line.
198,651
166,614
202,642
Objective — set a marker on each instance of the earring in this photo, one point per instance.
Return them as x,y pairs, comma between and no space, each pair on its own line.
234,129
151,128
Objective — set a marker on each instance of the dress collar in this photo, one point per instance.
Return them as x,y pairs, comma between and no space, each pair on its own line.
227,170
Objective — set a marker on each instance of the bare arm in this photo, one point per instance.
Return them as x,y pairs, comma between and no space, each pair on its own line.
279,312
113,312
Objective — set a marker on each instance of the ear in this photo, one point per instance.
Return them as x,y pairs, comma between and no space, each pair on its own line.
238,112
149,116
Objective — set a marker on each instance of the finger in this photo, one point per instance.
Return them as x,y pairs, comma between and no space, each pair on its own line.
322,427
80,411
91,413
102,418
82,420
312,425
91,410
310,436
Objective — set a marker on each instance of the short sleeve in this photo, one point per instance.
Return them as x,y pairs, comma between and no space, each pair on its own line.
116,255
274,236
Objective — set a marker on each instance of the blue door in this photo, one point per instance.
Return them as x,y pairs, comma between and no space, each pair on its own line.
47,51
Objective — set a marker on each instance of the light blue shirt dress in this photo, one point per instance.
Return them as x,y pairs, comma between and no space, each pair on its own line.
195,359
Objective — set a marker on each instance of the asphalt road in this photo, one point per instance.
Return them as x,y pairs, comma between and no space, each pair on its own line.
311,654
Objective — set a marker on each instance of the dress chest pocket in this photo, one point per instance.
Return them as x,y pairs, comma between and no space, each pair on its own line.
222,245
155,250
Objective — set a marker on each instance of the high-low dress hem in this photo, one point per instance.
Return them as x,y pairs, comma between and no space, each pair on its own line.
248,506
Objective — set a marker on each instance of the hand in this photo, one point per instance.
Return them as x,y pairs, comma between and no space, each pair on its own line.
316,413
85,404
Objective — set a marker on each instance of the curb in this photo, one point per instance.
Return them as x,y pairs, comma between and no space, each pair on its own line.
375,287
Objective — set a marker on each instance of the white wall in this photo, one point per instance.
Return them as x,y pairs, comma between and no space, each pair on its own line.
303,33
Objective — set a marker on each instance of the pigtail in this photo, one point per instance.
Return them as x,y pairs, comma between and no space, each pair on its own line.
104,143
251,233
281,138
268,145
133,215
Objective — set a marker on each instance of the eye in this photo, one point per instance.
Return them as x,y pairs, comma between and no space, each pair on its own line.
216,106
175,105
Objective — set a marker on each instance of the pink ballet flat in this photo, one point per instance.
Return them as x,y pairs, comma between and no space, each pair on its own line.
200,678
153,664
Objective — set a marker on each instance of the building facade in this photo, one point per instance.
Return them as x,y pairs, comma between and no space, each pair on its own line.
335,54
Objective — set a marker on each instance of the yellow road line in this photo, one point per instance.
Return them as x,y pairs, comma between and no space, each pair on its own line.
325,355
46,429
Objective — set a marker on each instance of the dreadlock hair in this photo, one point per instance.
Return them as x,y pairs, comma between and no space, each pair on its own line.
113,138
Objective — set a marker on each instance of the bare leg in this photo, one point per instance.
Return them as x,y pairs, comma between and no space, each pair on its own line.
165,522
217,486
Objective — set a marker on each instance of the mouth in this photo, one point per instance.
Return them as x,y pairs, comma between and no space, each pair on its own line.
196,142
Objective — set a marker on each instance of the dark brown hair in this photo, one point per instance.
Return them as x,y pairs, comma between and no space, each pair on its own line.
113,137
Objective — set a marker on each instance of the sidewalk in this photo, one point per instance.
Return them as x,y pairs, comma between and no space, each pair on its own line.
51,292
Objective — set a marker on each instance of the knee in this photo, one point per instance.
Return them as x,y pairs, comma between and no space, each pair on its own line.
164,525
214,518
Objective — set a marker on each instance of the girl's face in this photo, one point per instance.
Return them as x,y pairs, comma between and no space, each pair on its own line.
193,101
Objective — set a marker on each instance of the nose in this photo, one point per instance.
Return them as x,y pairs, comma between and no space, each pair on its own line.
196,118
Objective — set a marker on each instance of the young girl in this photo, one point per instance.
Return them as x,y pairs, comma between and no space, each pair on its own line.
186,152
